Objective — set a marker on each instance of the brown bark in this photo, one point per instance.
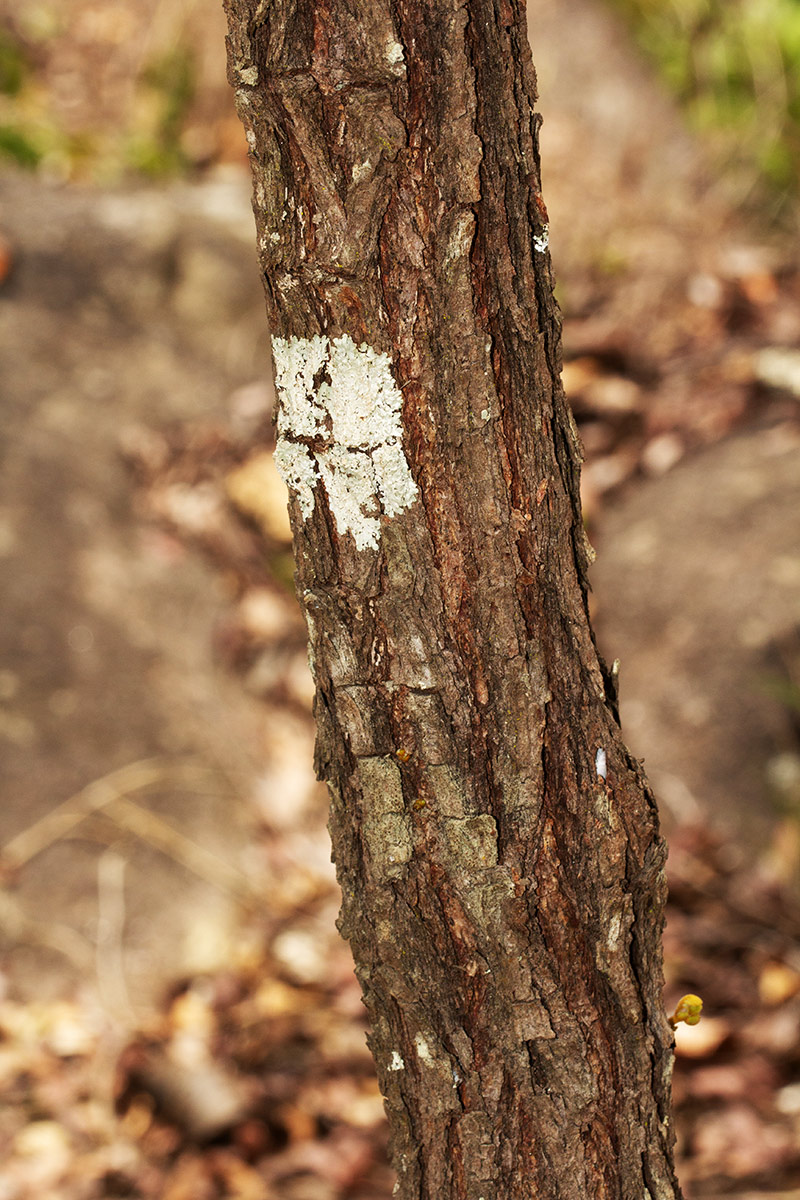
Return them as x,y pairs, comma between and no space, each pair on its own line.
496,844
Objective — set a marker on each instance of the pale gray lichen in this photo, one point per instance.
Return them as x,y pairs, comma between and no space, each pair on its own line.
381,784
247,74
361,171
350,483
343,398
423,1049
297,362
299,472
396,488
473,841
395,57
387,829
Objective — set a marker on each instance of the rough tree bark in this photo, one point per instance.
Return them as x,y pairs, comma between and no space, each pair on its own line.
496,844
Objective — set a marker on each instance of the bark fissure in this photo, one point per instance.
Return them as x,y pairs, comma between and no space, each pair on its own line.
503,897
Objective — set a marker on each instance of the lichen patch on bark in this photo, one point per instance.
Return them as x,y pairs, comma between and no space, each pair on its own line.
340,423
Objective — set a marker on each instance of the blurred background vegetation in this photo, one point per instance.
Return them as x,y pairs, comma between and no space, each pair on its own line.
96,91
734,66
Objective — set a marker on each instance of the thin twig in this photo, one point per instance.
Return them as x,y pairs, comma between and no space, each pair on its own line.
21,929
109,961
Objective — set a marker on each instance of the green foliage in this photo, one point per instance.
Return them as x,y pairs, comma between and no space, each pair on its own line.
13,65
735,66
16,141
155,148
33,131
784,690
19,145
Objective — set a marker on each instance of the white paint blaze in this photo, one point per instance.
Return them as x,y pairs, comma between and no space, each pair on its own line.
344,399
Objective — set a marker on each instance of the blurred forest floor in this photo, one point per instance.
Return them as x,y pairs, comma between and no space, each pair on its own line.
178,1016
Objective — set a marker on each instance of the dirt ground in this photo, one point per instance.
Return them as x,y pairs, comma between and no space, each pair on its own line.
107,627
162,837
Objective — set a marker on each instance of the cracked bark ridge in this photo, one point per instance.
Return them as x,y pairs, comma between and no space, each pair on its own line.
502,880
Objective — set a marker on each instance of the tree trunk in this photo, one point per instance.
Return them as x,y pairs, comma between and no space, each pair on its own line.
496,844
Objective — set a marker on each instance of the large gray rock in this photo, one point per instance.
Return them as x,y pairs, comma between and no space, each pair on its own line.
697,589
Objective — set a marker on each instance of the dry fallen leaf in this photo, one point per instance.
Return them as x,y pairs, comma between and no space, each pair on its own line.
257,489
241,1181
190,1180
777,982
737,1142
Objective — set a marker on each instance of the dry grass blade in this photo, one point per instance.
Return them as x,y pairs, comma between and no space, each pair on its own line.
97,795
204,863
20,929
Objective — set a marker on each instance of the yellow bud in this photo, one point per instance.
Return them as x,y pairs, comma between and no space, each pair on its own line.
687,1010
